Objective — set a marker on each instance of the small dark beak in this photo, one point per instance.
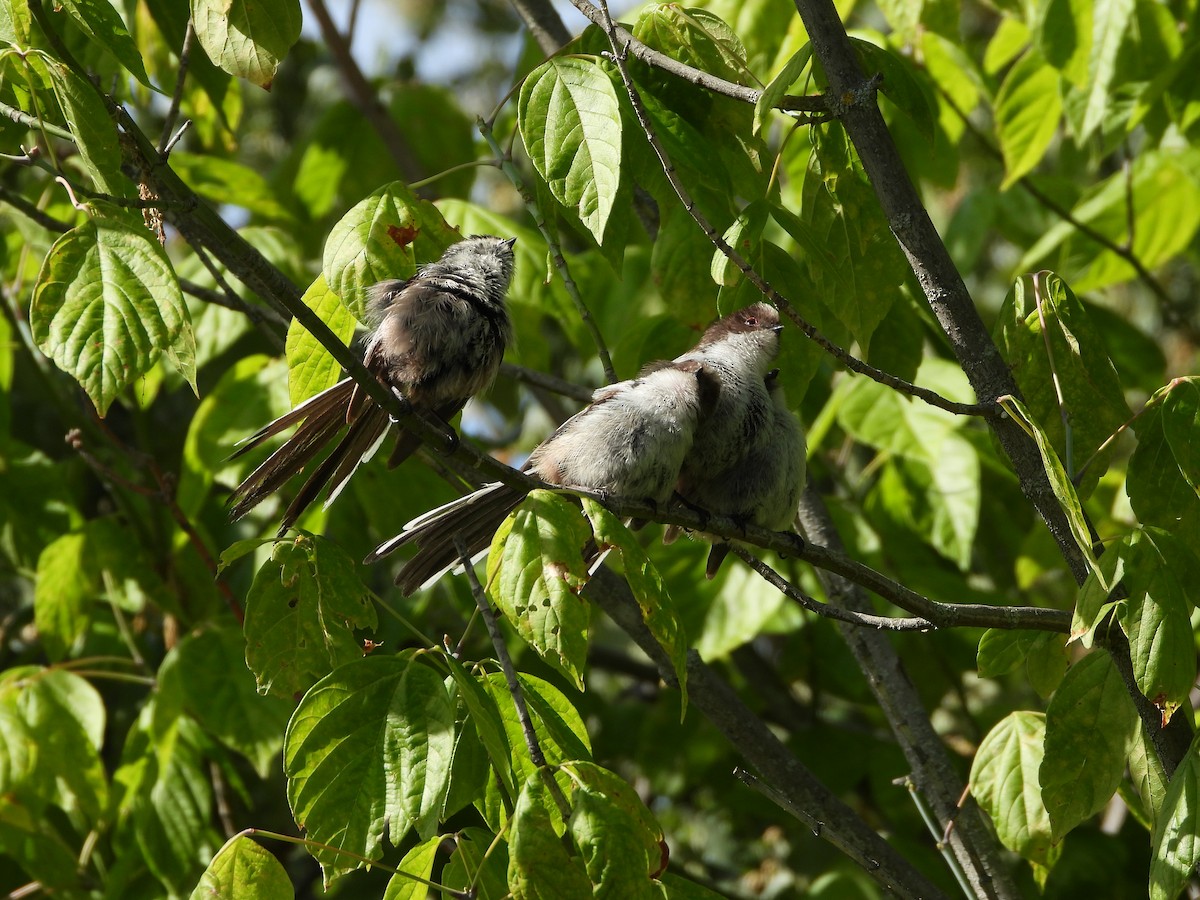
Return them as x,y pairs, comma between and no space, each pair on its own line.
777,328
510,242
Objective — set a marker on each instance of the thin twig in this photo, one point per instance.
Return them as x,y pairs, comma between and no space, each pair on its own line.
185,59
510,677
933,398
506,666
19,203
560,262
544,23
789,590
234,302
546,382
700,78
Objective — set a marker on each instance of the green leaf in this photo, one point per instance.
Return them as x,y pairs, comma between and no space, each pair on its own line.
208,672
1148,776
1004,779
620,840
1181,426
1161,572
95,133
225,181
1060,484
1089,723
1027,111
312,368
243,870
559,730
15,21
613,854
247,38
1176,841
570,121
53,729
376,241
1062,30
1158,489
743,236
45,857
780,84
107,302
63,594
1043,653
934,488
1052,347
539,867
1110,27
172,808
301,614
1166,203
535,572
657,607
101,22
368,752
489,726
419,862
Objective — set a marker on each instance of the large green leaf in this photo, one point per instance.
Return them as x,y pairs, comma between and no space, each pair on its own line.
658,610
244,870
1004,779
1027,111
94,132
571,124
1176,848
247,38
53,730
1161,481
1054,351
301,614
417,862
312,368
1089,723
107,303
368,752
101,22
207,674
557,725
384,236
535,572
539,867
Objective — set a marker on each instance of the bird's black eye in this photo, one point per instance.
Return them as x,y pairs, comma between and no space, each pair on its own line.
751,321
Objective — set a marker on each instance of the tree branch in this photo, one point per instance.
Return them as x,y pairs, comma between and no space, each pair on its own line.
970,841
544,23
698,77
828,816
944,289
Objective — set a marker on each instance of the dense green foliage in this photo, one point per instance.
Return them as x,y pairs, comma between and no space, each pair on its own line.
169,679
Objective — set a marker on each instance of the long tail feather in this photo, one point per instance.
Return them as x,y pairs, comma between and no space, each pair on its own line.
473,519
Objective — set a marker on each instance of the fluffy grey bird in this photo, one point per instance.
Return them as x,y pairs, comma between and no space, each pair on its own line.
747,459
439,338
631,442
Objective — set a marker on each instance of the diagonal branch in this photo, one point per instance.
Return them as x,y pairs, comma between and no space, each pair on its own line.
951,303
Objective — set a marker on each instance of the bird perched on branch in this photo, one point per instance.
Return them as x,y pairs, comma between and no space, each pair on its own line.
711,407
630,442
438,339
747,459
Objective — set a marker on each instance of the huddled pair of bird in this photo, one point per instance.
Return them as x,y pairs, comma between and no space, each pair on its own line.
711,426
